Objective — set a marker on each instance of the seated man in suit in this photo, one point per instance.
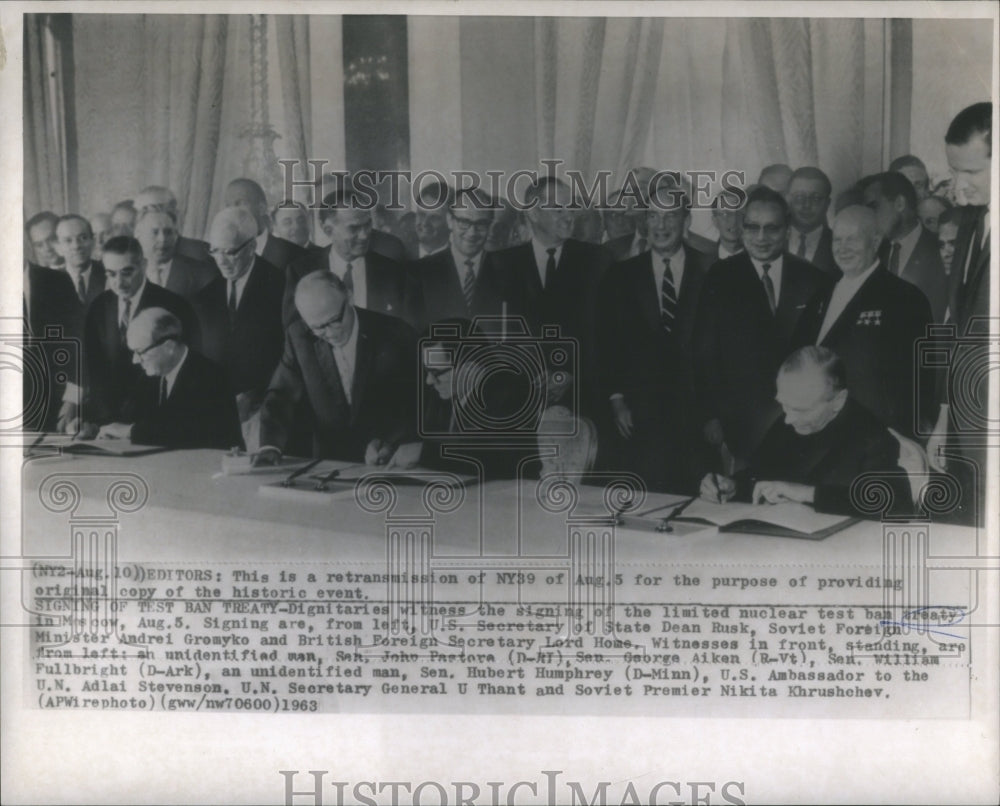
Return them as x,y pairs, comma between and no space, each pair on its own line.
433,204
751,306
447,282
75,242
913,168
354,369
248,195
729,223
156,231
182,400
41,232
239,314
374,282
826,442
108,366
872,320
908,250
157,197
809,193
291,221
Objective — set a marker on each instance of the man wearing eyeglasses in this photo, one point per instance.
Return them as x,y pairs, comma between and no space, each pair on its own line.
354,369
109,369
180,399
374,282
447,283
239,313
810,237
751,305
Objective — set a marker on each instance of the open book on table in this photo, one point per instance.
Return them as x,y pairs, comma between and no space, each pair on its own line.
778,520
62,443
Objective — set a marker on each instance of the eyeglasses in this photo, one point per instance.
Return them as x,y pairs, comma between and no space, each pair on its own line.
770,230
465,224
336,320
153,346
230,253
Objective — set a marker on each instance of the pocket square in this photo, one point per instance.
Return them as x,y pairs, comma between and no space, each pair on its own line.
870,318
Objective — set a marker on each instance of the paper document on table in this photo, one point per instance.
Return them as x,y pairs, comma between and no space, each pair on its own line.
101,447
785,520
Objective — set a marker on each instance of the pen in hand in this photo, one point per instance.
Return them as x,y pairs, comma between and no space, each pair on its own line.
718,489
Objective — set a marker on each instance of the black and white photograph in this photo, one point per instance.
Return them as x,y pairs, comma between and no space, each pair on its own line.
472,403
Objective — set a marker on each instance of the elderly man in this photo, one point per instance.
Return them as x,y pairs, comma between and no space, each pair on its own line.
156,231
75,242
109,370
239,313
808,201
729,224
872,319
157,197
41,232
354,369
751,306
248,195
826,442
375,282
181,399
293,222
908,250
447,282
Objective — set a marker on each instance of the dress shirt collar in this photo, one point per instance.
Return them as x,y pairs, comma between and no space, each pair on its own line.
812,241
172,375
423,251
677,264
133,302
460,264
240,283
724,252
76,275
261,242
774,273
542,257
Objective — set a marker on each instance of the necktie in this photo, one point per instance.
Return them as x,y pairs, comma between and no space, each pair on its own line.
232,303
81,288
801,251
976,248
126,317
641,246
894,258
769,287
668,298
163,390
469,282
159,274
349,279
550,267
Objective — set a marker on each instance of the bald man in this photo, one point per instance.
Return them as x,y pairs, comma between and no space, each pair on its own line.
248,195
872,320
354,370
180,399
239,312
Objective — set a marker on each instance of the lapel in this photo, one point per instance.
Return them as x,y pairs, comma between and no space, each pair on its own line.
746,275
180,383
533,290
792,298
112,335
244,308
329,372
857,303
648,295
362,367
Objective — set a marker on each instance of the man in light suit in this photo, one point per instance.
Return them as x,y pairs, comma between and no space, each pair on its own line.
808,202
356,371
239,313
375,283
157,197
75,242
156,231
872,319
908,250
248,195
181,399
751,306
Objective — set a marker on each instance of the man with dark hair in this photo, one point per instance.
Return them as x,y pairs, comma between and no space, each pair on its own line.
157,197
776,177
947,235
373,281
180,399
41,232
75,242
930,209
809,192
645,333
913,168
826,442
729,224
248,195
968,145
293,222
872,319
908,250
109,369
123,217
750,307
433,204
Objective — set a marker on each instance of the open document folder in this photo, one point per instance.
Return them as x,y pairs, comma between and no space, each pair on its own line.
62,443
779,520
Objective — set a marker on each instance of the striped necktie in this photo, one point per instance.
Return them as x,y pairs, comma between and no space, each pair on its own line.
126,318
469,282
668,298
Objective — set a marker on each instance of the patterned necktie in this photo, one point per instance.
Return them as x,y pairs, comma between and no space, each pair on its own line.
349,279
81,287
126,317
550,267
232,303
469,282
894,258
769,287
668,298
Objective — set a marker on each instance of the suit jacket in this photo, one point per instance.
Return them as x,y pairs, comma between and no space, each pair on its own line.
388,286
200,411
188,276
95,284
925,270
249,348
853,443
740,344
655,370
622,245
383,393
969,293
109,372
388,245
437,289
51,302
875,336
279,252
619,247
823,257
193,248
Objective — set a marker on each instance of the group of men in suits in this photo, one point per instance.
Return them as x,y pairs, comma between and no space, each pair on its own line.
677,343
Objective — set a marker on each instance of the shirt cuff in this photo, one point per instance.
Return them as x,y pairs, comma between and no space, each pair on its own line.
72,393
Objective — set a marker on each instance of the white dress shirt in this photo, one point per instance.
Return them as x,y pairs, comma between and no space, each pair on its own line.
774,273
346,358
843,293
676,271
542,258
75,276
460,263
241,285
424,252
133,303
159,274
811,239
261,242
724,253
338,266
